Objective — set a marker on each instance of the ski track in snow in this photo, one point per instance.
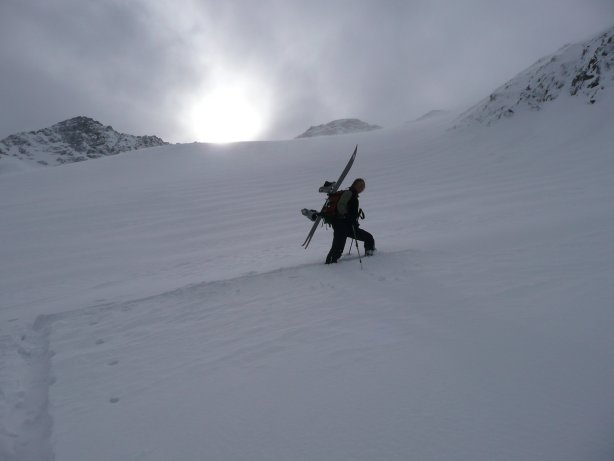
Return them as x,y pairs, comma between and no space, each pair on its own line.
28,426
160,314
252,348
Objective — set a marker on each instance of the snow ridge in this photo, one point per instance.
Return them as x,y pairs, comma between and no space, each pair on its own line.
74,140
584,70
430,115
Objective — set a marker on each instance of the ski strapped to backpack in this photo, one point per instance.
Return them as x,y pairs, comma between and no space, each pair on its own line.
330,188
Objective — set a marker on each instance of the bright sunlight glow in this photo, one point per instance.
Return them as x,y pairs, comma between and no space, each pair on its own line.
228,112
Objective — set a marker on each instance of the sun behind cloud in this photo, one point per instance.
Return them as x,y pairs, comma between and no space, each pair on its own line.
227,111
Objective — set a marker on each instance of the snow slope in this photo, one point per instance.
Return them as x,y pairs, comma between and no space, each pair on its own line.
582,70
157,305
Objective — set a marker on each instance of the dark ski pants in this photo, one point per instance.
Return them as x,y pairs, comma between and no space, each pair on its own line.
342,230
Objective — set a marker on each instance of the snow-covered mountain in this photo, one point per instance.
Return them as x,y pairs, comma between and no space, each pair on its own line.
583,70
430,115
158,306
341,126
74,140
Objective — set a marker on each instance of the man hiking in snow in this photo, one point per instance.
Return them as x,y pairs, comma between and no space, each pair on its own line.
345,223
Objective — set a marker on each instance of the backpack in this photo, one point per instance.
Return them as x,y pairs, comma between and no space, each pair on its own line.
329,211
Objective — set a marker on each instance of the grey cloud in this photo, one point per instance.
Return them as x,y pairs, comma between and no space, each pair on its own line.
137,64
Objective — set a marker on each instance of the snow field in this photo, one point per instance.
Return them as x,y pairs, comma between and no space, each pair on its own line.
157,305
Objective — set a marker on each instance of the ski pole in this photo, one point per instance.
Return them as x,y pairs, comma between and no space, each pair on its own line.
350,250
357,248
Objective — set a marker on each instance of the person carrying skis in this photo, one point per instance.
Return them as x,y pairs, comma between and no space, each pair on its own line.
345,223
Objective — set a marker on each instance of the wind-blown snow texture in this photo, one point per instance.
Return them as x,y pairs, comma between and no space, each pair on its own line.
157,304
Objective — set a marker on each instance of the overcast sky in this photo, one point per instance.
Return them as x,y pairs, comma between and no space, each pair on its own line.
189,70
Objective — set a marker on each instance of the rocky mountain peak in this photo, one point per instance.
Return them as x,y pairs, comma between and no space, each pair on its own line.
583,70
73,140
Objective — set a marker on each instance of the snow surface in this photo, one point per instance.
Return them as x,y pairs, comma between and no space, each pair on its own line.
157,305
